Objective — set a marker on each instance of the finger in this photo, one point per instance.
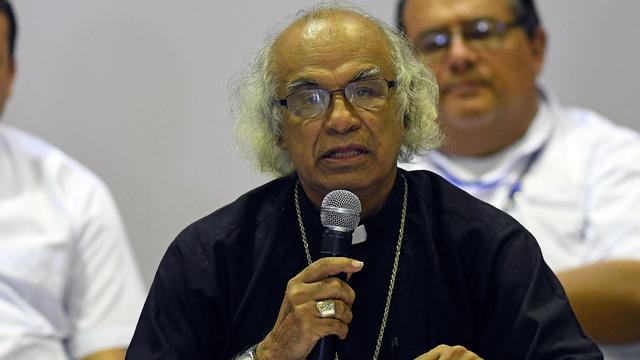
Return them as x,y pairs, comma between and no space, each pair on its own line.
326,267
331,326
331,288
435,353
459,352
446,352
431,355
306,324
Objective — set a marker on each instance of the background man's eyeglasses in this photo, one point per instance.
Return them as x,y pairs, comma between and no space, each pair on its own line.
362,94
478,34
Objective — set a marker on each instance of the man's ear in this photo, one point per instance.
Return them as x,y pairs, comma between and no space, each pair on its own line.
12,74
538,48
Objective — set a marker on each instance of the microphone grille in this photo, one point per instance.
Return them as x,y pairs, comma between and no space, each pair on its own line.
340,209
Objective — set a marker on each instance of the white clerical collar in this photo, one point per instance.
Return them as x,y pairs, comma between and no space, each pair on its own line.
359,235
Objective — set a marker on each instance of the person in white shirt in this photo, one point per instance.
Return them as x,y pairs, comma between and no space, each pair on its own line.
571,177
69,285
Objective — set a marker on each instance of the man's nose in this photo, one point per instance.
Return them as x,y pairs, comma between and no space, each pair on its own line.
341,116
460,56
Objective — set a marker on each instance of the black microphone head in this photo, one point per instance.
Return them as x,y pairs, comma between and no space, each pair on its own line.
340,211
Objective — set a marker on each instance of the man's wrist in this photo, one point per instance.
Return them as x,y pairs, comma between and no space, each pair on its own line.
249,354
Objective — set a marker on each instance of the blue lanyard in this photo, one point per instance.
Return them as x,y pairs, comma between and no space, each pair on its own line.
516,187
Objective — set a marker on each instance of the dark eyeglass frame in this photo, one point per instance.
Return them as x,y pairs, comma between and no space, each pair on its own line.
343,90
469,32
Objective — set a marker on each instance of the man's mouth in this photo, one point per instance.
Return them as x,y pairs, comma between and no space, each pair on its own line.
463,86
344,153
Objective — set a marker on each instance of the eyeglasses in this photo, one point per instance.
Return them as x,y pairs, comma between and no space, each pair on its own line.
479,34
362,94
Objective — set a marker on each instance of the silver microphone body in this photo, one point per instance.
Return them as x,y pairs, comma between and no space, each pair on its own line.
339,214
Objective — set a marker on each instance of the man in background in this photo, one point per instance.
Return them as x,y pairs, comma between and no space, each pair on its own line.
69,287
567,174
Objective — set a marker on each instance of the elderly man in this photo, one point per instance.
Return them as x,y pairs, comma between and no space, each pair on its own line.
332,103
69,286
568,175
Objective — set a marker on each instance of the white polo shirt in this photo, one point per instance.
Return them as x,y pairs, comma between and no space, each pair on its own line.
580,196
69,285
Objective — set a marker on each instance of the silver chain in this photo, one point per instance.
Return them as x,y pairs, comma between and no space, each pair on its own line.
392,280
301,224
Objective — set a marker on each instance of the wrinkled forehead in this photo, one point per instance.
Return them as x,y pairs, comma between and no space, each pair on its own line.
332,44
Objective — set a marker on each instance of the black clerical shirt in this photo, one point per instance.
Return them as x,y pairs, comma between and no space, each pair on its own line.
468,275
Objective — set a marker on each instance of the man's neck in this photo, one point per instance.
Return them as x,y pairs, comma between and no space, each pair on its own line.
372,198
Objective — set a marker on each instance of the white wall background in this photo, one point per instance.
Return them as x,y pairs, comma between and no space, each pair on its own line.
137,91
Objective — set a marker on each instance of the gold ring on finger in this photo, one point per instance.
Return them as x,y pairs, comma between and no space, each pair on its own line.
327,308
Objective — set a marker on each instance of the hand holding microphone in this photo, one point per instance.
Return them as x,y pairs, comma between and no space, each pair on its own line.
317,305
339,214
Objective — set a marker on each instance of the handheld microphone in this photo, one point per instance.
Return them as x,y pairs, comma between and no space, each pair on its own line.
339,214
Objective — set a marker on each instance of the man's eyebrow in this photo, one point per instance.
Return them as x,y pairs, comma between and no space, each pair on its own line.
367,74
361,75
298,83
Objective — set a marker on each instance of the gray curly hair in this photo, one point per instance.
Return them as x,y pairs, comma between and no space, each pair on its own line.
258,129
